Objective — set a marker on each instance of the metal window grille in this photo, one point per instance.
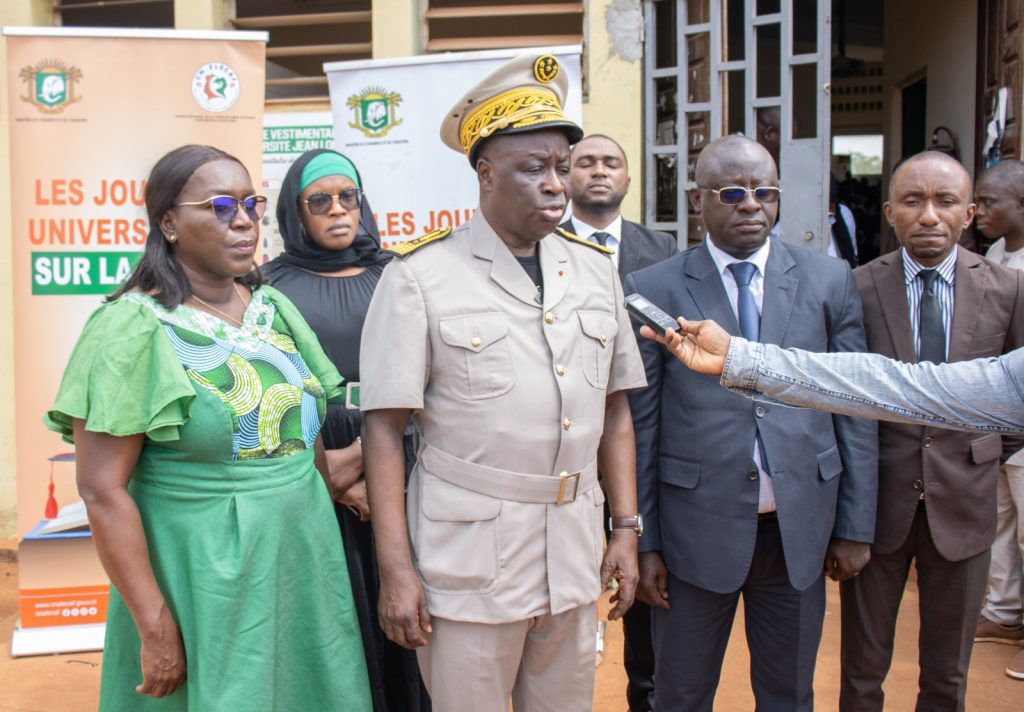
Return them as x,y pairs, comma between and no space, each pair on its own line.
460,25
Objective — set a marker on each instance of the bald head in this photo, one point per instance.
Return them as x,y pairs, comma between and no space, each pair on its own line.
1000,199
1009,173
942,161
730,154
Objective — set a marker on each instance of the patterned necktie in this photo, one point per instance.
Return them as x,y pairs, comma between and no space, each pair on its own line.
746,305
600,238
933,330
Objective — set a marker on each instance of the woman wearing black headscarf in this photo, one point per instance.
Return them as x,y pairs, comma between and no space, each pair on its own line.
330,267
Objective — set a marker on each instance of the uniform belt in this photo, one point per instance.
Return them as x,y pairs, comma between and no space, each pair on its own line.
351,393
560,488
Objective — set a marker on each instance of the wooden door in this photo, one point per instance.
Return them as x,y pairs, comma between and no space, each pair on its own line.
999,65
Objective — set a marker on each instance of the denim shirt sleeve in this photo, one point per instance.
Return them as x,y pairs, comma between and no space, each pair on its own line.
984,394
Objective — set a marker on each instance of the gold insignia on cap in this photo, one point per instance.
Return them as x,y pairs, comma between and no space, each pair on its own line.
517,108
580,241
545,69
526,93
404,248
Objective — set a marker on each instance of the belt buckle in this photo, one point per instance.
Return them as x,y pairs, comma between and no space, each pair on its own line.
570,482
352,392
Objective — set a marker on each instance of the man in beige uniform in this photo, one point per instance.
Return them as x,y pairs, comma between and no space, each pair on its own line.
508,343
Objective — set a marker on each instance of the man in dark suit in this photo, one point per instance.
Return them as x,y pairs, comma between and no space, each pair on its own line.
742,497
598,182
929,301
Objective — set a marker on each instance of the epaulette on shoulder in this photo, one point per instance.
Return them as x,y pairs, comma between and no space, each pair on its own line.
404,248
580,241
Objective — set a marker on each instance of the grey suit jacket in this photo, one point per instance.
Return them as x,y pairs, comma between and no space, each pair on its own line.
696,480
641,247
956,471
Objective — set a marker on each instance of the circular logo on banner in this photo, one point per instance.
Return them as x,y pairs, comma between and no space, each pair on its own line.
215,87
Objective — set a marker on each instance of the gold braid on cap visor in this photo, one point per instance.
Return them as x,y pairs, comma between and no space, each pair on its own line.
517,108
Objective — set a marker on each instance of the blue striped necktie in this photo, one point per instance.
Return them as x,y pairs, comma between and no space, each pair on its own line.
746,306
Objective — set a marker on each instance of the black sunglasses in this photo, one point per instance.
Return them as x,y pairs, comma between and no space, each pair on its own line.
320,203
225,207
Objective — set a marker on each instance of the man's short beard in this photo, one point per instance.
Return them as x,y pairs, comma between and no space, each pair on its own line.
613,203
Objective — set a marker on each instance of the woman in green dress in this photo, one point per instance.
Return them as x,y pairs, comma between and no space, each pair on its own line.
195,398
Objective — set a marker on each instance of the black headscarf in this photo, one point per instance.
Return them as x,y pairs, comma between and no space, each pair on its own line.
299,248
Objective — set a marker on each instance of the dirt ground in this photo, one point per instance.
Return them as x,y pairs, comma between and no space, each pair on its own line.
70,683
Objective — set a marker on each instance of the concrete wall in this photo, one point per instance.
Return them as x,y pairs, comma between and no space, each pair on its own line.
613,63
201,15
938,37
397,28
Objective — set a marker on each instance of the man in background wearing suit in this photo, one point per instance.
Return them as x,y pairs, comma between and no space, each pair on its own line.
929,301
598,182
742,497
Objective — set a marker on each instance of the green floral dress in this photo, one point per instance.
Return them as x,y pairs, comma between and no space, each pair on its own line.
241,530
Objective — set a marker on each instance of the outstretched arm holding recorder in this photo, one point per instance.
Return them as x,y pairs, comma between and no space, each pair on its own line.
984,394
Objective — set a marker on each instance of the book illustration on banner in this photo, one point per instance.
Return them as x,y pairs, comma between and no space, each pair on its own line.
51,500
72,518
63,590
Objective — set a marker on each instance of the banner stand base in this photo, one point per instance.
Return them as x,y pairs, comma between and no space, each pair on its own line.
57,639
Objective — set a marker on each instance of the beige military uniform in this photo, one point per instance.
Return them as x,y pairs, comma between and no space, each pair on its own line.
509,398
503,386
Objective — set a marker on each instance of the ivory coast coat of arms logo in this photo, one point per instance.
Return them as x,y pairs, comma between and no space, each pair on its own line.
373,111
50,85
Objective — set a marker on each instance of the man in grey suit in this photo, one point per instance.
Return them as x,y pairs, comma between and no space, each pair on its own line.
598,183
740,497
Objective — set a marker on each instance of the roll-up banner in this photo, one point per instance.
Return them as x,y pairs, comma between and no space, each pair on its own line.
90,112
387,119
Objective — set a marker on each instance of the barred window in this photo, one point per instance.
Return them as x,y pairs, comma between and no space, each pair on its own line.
303,35
114,13
462,25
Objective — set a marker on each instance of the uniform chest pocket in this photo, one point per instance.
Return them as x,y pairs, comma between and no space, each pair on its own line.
476,358
597,343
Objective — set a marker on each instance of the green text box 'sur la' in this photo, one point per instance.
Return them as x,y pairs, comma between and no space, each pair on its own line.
80,272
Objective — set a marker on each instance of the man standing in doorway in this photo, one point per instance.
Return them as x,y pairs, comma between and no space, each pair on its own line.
1000,199
744,498
929,301
508,344
598,182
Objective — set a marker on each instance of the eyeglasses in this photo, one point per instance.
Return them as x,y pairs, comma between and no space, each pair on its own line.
321,203
225,207
735,194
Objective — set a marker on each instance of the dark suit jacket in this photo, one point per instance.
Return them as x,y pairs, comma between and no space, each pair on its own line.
956,470
696,480
640,246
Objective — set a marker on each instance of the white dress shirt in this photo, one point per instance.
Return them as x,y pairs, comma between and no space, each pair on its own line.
766,494
851,226
614,230
1014,260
